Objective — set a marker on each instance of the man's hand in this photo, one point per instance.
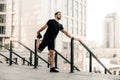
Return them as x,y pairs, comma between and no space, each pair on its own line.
39,35
77,39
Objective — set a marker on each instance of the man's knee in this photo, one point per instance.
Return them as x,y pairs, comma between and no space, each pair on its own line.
51,52
39,50
38,43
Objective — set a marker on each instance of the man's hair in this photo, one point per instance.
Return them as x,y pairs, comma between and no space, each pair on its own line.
57,12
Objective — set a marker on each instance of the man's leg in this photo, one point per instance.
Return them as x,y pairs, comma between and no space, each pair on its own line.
38,44
38,41
51,60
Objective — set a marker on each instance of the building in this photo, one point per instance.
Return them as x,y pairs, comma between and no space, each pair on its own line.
115,70
111,31
5,21
110,51
27,16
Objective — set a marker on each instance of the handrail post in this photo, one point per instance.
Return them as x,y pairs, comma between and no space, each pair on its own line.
10,62
48,65
48,61
90,63
35,56
23,61
16,61
30,58
105,71
72,57
56,58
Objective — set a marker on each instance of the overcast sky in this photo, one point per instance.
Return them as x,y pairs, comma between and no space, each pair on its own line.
96,12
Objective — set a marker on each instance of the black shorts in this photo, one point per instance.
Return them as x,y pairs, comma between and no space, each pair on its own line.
49,43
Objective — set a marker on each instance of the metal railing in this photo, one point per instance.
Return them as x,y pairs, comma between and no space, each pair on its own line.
7,58
90,59
1,62
36,57
71,62
12,52
57,53
56,59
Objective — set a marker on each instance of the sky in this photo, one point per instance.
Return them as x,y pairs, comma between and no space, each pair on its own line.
96,12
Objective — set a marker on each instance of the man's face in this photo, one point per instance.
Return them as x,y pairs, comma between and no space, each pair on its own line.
58,16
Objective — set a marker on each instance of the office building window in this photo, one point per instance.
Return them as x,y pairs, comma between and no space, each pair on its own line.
2,29
65,45
2,7
76,27
71,8
66,7
119,72
76,10
85,1
84,13
84,29
0,42
66,56
2,0
81,12
2,18
70,26
79,28
13,5
114,72
107,35
65,22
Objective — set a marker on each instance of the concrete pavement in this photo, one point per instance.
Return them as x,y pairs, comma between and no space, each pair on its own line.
17,72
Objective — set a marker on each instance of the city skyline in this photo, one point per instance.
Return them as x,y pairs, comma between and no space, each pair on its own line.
97,10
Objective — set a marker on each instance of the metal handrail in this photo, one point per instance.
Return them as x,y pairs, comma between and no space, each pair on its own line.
1,62
7,58
44,59
16,54
32,52
66,60
92,54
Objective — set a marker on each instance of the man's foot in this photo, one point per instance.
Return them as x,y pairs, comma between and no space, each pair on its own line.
39,36
53,70
56,67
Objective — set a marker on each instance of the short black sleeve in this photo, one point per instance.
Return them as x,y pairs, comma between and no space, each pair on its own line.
61,27
48,22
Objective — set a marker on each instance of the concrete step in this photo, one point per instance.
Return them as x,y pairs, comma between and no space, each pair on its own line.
17,72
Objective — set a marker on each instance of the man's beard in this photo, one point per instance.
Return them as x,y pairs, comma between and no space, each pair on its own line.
58,18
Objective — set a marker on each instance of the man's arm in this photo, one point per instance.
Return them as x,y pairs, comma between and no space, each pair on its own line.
68,35
42,28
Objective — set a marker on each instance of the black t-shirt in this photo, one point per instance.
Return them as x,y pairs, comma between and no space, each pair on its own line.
53,29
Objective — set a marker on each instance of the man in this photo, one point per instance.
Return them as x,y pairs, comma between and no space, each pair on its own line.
53,27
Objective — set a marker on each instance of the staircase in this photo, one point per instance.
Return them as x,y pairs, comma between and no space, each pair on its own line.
17,72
